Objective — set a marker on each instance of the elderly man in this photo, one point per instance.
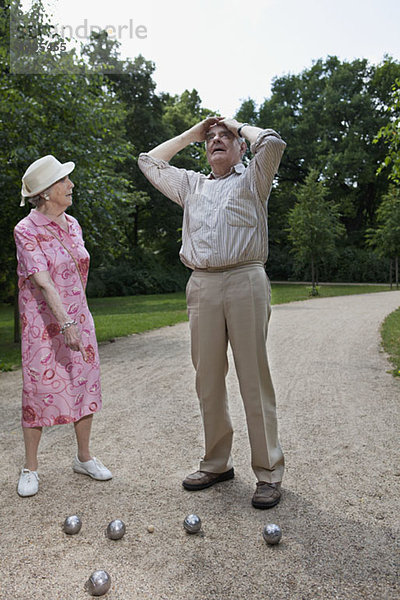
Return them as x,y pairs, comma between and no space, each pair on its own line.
225,243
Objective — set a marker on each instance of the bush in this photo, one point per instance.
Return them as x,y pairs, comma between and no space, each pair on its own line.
280,265
350,265
361,265
145,273
142,273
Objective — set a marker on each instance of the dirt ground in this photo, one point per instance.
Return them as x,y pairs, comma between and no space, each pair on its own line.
338,414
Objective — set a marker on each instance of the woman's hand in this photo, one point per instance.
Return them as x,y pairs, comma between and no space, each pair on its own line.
72,336
73,340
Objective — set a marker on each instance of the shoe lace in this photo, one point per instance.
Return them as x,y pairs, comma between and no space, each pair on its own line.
30,475
262,483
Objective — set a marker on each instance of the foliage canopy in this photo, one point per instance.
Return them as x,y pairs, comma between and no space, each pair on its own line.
340,121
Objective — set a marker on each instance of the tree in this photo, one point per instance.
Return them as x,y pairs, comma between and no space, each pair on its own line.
329,115
390,135
101,112
163,219
73,117
314,226
132,83
385,239
134,88
247,113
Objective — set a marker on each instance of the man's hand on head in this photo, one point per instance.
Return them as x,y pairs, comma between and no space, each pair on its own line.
198,132
231,124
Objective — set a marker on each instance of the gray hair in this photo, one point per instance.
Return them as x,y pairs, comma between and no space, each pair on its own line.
38,198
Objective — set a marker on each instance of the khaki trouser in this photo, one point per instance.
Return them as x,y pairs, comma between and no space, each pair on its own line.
234,305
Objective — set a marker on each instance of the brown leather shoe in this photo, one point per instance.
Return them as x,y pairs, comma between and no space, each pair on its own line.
266,495
203,479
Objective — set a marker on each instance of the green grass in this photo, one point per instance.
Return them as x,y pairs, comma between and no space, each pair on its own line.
119,316
291,292
10,353
391,340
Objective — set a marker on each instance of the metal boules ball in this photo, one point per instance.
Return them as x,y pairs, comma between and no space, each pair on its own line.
72,525
192,524
116,529
272,534
98,583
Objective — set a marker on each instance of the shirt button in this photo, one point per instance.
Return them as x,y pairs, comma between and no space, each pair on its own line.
73,246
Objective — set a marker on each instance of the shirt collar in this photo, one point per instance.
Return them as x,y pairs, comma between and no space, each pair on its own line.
238,168
40,219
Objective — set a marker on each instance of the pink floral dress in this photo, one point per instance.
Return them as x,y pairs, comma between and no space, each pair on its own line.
58,385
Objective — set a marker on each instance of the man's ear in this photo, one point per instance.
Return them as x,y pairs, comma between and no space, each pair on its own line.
243,148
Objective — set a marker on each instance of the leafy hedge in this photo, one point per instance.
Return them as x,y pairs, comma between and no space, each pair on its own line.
350,264
143,273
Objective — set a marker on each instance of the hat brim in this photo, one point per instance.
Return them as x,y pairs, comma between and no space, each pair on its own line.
64,170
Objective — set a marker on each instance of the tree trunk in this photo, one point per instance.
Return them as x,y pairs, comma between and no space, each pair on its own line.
136,227
312,275
390,274
396,261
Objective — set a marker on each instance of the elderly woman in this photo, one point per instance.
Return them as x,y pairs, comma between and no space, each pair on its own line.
60,363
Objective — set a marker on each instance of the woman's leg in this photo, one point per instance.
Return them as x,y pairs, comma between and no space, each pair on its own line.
82,432
32,437
83,462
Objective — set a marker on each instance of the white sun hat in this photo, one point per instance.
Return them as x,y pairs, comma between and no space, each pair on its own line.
41,174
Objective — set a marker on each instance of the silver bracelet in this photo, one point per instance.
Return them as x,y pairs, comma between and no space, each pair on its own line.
66,325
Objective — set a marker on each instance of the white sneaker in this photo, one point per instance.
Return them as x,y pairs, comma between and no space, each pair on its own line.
93,467
28,484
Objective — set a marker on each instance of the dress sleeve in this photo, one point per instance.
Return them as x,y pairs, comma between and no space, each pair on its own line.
30,256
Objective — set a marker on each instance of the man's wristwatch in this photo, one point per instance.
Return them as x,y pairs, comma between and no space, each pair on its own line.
239,131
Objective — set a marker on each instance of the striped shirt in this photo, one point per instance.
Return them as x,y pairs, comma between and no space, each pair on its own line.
225,220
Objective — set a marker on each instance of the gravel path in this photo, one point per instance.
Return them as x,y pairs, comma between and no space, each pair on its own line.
339,426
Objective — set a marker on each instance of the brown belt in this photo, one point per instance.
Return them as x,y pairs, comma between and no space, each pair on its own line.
229,267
